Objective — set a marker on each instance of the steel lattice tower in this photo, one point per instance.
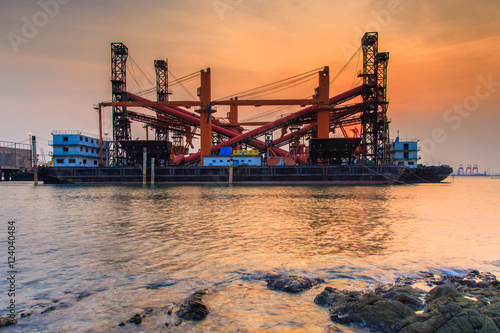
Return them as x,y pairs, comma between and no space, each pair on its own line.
121,124
383,142
374,123
161,68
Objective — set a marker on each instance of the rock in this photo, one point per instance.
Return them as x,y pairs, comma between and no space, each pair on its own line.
291,283
122,324
473,273
193,308
449,311
441,292
364,309
82,296
493,311
404,294
327,297
50,308
24,315
7,321
136,319
405,281
457,303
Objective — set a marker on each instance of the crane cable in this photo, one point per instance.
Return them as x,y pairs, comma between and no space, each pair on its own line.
345,66
271,86
357,53
182,85
174,83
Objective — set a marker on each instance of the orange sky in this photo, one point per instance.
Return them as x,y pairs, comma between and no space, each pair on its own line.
441,53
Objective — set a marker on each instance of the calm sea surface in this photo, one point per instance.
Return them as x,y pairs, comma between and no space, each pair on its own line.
100,254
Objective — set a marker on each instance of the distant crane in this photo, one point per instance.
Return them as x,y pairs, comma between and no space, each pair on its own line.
468,170
42,154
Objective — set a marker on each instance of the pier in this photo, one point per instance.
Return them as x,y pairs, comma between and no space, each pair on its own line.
14,157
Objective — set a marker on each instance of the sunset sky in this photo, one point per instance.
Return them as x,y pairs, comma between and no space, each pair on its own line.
443,80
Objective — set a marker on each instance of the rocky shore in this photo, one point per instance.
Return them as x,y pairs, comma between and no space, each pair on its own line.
449,303
429,303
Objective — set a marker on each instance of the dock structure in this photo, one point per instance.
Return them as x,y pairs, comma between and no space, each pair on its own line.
13,158
322,115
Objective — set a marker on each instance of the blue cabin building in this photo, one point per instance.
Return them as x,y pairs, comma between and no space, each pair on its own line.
77,149
405,152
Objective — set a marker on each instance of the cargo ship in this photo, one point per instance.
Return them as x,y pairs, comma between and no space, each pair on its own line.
239,175
331,163
405,153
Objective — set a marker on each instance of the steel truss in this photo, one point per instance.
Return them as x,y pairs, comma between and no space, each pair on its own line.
121,123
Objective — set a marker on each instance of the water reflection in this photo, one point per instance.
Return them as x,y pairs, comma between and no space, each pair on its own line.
133,247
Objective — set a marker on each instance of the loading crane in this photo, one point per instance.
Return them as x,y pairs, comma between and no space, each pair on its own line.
323,115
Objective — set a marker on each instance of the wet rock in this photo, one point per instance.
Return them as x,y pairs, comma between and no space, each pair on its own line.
457,303
82,296
7,321
122,324
448,310
193,308
327,297
493,311
24,314
50,308
136,319
405,281
404,294
291,283
473,273
364,309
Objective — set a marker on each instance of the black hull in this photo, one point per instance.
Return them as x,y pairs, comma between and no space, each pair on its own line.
259,175
428,174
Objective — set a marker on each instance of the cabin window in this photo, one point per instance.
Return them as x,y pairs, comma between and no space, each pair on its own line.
406,146
71,160
65,138
60,161
95,162
84,161
87,150
411,163
406,155
91,140
81,139
65,149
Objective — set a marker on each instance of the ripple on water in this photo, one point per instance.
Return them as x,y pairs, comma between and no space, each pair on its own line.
128,249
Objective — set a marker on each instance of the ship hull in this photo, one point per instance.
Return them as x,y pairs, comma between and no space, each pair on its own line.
427,174
258,175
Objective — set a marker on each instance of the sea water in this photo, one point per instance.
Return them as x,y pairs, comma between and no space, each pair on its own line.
90,257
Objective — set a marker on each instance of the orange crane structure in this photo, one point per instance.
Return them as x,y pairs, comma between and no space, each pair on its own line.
321,115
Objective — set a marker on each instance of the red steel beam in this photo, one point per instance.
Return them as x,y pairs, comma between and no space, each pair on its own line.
192,118
275,124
